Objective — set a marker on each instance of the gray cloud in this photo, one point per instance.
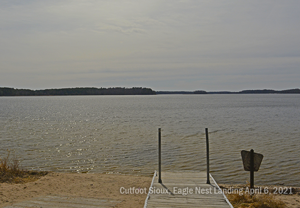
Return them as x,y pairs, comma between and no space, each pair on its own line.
174,45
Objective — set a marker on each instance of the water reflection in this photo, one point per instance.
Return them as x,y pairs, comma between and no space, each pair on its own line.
118,134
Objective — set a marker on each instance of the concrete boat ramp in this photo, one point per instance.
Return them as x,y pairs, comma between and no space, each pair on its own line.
185,189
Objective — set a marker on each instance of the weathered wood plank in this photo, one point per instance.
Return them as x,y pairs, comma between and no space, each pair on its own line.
185,189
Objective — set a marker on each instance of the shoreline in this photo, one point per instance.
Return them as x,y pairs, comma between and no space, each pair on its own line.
130,190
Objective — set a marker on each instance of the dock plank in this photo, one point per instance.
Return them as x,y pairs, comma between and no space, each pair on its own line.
185,189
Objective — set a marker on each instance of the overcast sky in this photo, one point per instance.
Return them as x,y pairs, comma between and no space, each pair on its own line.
161,44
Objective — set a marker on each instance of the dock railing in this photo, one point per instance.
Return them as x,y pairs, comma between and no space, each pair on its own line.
207,156
148,195
208,175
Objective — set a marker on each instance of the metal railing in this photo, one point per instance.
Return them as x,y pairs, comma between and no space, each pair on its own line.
207,156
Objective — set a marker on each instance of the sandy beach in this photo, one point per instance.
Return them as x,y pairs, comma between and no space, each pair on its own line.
99,186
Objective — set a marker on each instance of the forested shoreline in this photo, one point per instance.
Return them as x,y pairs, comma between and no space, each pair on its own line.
6,91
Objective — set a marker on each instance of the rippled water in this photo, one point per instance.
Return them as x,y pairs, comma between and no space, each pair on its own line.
118,134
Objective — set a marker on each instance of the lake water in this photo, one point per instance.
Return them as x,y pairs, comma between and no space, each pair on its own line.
118,134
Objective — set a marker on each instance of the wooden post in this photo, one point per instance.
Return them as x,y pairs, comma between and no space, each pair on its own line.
207,156
159,156
251,169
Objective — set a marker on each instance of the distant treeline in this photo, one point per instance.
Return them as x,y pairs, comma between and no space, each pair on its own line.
182,92
228,92
265,91
5,91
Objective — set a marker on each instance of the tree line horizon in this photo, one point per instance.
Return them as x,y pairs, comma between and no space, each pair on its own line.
7,91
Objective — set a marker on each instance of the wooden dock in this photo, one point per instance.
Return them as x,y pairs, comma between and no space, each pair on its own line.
185,189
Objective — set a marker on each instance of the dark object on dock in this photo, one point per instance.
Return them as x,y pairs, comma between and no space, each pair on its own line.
207,156
159,156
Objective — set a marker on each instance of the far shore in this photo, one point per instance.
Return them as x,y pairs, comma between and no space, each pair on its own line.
100,186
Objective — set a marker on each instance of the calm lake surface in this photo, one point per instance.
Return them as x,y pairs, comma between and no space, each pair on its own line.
118,134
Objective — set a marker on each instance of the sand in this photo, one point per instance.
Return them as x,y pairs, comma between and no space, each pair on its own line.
100,186
279,192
